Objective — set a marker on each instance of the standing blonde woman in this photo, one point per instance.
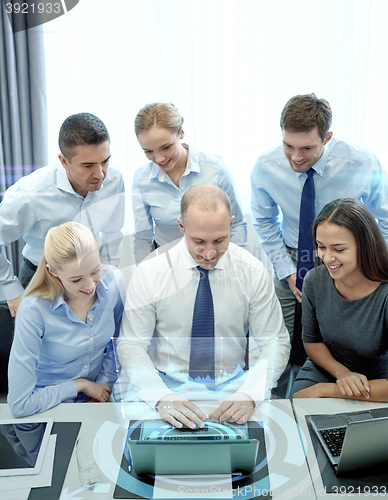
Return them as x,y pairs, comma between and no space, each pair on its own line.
174,167
67,317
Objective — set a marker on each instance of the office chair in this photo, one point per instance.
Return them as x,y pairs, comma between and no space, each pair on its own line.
7,324
298,354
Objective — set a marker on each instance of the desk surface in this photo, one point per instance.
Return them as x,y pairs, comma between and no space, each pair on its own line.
289,476
303,407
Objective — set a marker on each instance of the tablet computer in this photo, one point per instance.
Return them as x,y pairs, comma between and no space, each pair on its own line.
23,445
158,448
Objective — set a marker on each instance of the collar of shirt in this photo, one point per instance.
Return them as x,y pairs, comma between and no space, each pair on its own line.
192,165
189,262
63,184
101,294
320,165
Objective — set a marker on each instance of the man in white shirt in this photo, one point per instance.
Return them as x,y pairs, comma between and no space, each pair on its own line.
80,188
156,341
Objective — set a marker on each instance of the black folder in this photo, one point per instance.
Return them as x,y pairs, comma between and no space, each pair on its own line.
67,433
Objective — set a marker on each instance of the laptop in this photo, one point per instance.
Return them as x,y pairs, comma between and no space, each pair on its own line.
354,440
156,447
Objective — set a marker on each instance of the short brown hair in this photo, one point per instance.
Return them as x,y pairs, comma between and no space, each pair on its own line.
302,113
372,255
158,114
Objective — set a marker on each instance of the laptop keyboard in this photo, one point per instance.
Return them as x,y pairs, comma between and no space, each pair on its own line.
334,439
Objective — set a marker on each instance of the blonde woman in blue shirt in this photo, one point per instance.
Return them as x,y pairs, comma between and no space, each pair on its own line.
62,350
174,167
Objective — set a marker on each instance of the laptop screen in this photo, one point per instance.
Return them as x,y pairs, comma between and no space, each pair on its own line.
157,430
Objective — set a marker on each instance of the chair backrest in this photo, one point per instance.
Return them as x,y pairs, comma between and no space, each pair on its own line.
298,354
7,323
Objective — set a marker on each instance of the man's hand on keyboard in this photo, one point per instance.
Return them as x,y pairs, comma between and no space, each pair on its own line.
178,411
237,409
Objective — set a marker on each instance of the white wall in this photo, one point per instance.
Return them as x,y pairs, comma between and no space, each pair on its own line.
228,65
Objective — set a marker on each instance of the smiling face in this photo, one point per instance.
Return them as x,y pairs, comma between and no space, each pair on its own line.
207,234
337,248
164,148
88,166
303,149
80,278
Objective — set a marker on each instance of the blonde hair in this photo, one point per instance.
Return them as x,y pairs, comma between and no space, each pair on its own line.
158,114
63,244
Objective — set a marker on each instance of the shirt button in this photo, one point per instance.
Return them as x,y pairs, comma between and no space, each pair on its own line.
90,319
85,366
91,339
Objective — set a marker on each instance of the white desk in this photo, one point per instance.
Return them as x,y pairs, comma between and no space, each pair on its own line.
304,407
288,473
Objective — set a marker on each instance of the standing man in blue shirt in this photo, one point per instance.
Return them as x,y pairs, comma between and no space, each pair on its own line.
338,170
80,188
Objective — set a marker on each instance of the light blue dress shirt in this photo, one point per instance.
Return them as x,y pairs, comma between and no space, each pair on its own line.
53,347
343,171
156,200
45,199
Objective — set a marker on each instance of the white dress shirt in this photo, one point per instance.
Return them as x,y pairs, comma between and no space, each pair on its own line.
156,330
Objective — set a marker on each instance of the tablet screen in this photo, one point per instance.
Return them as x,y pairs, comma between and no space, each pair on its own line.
23,446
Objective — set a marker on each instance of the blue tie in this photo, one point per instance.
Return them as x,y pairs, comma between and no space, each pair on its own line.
306,220
202,333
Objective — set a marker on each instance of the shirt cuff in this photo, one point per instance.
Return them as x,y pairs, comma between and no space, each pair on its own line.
152,398
106,380
284,268
68,390
258,395
12,290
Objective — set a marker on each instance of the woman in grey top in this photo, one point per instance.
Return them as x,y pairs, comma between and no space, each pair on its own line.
345,307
